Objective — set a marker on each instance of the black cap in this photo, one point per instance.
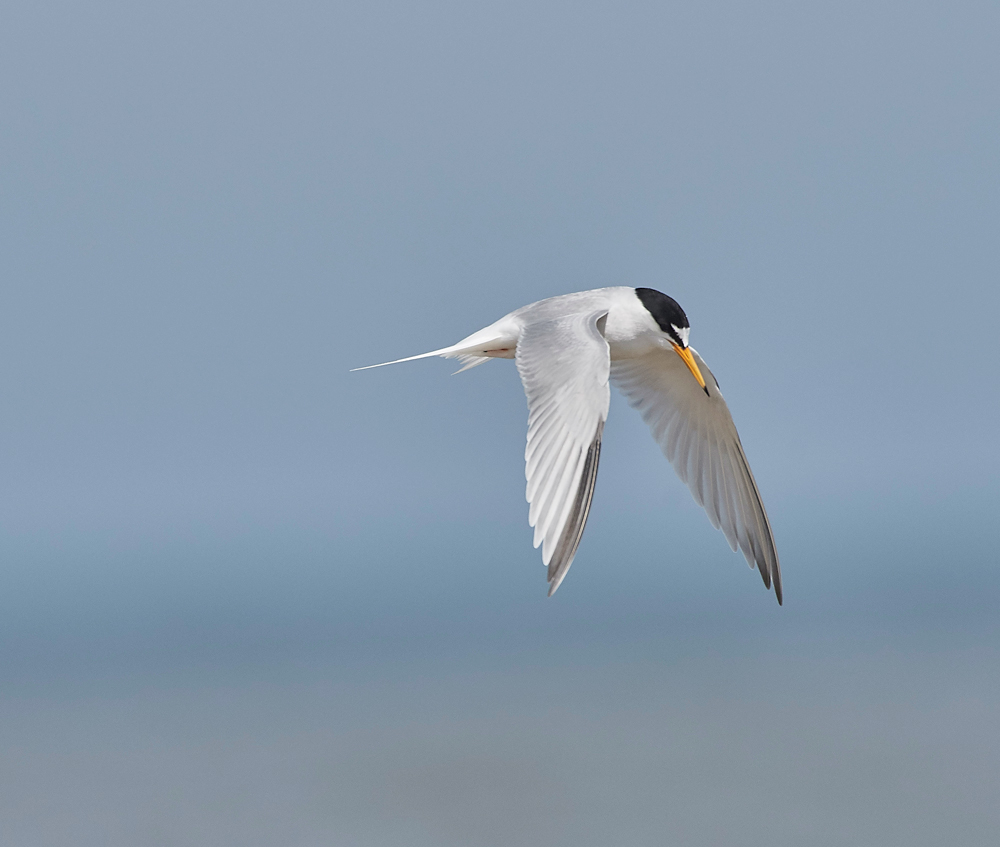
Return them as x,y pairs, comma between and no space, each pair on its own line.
665,311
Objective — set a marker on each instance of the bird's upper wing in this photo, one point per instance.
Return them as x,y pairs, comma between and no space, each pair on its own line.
564,364
698,437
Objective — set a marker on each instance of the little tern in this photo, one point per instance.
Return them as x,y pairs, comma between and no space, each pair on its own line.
567,349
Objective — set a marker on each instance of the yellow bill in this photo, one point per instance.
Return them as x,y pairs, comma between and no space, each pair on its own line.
688,357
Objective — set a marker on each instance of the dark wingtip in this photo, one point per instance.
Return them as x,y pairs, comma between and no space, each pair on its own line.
769,579
577,519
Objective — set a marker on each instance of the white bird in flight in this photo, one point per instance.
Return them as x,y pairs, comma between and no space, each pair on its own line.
567,348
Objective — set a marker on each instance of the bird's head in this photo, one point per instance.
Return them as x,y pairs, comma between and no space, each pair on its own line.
673,323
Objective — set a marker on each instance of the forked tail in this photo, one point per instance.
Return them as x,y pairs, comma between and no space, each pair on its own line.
479,347
446,352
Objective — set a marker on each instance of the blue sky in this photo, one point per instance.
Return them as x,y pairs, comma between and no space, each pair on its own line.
212,211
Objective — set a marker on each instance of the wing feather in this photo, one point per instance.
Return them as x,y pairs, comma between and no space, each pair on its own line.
698,437
564,365
576,519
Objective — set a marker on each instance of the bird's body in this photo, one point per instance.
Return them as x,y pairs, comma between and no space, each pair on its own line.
567,350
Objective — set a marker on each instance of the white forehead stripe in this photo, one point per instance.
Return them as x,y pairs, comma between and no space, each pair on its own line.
682,333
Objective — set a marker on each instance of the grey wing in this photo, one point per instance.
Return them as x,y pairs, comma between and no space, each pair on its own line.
564,365
699,438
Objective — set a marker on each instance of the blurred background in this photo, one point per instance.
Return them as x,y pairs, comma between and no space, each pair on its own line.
249,598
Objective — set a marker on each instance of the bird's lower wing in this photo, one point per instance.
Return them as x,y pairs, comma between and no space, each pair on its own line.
564,364
697,434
